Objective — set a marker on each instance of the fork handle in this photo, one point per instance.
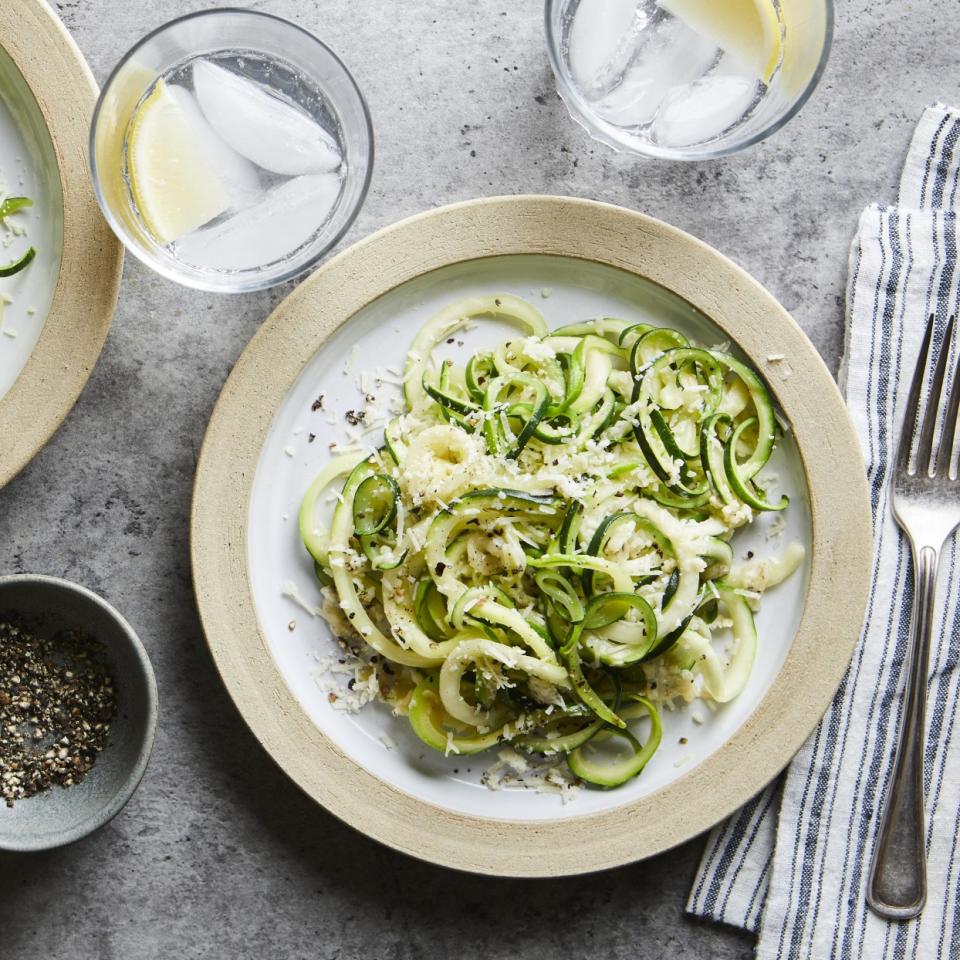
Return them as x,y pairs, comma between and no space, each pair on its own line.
897,888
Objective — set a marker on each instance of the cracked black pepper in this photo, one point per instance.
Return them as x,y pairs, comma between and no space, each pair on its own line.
57,700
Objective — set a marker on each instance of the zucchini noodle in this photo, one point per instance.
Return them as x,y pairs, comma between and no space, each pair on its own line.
539,554
8,207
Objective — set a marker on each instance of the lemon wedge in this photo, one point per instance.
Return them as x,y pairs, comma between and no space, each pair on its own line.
747,29
122,96
175,186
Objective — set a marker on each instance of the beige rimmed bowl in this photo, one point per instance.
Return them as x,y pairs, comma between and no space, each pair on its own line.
91,261
838,565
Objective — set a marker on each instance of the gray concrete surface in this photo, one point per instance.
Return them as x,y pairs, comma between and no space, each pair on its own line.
218,855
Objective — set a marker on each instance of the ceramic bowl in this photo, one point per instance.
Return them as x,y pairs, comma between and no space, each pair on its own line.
60,816
576,259
64,301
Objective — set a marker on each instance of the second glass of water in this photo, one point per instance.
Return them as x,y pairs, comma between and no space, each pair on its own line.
230,150
686,79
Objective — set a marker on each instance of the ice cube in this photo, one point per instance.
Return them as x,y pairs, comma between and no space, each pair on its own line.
671,55
269,131
236,174
601,41
269,230
702,110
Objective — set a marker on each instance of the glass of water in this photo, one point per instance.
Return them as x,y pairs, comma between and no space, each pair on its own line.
686,79
230,150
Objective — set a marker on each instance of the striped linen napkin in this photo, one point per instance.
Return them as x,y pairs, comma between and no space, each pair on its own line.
793,864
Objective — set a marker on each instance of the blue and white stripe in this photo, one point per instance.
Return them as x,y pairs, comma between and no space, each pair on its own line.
793,864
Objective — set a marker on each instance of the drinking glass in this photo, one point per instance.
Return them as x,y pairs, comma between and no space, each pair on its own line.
686,79
230,150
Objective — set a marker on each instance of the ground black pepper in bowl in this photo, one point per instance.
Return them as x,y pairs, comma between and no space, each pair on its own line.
57,700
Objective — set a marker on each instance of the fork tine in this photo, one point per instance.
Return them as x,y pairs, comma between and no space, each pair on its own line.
912,413
925,461
945,453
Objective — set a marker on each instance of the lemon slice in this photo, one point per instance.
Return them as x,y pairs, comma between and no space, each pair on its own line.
747,29
175,186
123,94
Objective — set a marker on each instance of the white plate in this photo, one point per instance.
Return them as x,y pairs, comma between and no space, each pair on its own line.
28,167
256,462
379,336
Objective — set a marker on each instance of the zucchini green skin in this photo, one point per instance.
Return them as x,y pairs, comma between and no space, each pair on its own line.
766,419
641,635
500,439
473,597
427,718
566,541
603,610
563,743
561,594
448,400
375,504
430,611
587,694
725,682
453,317
314,538
668,499
653,434
611,327
21,263
606,528
373,548
738,477
669,641
393,441
341,531
477,506
480,368
712,455
632,333
12,204
598,541
581,562
615,774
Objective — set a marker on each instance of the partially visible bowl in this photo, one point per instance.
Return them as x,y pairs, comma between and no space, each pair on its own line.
59,816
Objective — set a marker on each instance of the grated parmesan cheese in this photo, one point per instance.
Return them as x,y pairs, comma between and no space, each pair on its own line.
290,591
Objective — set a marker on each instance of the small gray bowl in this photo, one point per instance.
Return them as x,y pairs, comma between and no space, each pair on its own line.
60,816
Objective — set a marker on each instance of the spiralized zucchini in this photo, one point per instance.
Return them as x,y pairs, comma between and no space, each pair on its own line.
539,554
8,207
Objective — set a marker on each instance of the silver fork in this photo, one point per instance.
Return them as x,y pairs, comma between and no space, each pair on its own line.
926,505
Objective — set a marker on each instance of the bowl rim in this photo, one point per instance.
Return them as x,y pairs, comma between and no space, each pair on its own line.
197,282
136,773
839,564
